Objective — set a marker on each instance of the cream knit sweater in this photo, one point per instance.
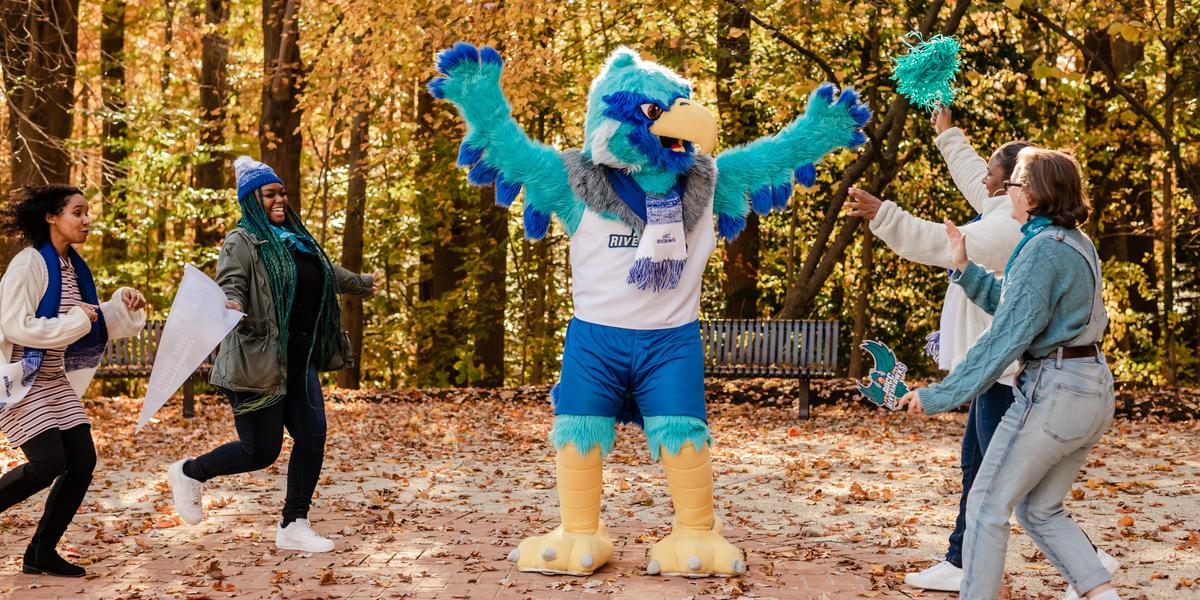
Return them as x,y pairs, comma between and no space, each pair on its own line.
21,289
990,242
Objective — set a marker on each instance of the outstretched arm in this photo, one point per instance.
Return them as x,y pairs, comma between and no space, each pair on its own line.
967,168
764,170
990,240
495,148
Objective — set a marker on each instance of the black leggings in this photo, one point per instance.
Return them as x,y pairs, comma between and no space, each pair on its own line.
64,458
260,438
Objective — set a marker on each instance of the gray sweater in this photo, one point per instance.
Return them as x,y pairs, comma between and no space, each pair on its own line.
1043,303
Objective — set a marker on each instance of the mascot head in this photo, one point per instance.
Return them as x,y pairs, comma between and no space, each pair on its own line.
641,117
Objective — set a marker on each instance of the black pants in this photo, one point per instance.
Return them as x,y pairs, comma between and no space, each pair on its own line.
260,438
63,458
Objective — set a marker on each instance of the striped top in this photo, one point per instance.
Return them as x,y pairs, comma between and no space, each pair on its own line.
51,403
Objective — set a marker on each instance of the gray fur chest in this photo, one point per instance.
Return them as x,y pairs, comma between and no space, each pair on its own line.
590,183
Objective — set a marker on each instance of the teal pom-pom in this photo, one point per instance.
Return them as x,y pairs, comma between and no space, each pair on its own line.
926,74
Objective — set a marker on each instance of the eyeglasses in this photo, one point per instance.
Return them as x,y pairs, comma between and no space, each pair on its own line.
1009,184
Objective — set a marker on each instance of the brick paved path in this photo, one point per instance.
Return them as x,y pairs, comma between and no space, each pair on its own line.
426,496
443,556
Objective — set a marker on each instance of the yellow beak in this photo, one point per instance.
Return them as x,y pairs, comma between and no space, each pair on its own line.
689,121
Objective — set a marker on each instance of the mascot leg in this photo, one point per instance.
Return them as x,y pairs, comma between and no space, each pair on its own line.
695,547
581,544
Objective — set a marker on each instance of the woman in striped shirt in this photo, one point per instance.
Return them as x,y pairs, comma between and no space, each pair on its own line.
52,323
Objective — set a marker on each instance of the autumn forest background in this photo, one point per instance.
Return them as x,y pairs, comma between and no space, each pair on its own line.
145,103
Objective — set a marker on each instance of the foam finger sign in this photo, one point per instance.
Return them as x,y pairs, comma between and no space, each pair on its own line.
884,385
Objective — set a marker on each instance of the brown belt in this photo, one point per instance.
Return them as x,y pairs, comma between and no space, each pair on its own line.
1089,351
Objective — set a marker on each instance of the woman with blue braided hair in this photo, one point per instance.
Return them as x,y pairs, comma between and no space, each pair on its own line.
271,268
53,324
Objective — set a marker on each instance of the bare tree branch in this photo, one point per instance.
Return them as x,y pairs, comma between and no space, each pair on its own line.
788,41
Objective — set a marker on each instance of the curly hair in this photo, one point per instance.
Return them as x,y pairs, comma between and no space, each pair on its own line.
25,217
1006,155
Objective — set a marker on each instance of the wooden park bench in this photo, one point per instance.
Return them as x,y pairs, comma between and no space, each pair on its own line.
130,358
805,350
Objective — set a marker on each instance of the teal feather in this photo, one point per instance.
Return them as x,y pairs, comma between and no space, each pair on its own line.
672,432
925,75
584,432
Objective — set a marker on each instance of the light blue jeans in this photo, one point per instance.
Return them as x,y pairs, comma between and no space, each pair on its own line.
1062,408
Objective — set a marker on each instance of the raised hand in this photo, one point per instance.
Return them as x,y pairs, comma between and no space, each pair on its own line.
471,80
958,245
846,116
862,204
941,119
496,151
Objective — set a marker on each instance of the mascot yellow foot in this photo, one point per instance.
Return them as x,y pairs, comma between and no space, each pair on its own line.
694,553
581,544
561,552
695,547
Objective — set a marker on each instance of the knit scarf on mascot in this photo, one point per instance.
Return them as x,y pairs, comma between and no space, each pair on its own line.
643,203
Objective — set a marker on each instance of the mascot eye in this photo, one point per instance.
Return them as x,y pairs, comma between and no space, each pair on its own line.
652,111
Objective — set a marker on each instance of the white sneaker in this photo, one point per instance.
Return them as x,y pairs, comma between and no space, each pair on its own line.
299,535
1111,564
187,493
942,577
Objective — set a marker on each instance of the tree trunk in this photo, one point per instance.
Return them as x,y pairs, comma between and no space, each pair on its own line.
735,104
39,44
1168,212
493,291
352,242
1124,209
112,167
279,137
439,328
862,303
213,173
537,265
164,205
533,294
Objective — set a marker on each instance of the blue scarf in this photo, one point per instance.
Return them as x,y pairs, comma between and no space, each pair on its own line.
85,352
1032,227
294,241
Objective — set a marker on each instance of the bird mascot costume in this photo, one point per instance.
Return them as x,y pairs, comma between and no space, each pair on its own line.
643,203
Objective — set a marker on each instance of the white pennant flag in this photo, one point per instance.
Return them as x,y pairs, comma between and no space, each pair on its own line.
197,323
12,390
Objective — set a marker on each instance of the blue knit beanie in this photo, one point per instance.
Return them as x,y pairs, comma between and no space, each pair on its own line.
252,175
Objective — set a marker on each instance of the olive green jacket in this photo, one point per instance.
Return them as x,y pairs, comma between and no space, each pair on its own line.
248,358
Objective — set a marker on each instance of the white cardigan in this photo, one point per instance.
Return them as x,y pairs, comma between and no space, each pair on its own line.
990,242
21,290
